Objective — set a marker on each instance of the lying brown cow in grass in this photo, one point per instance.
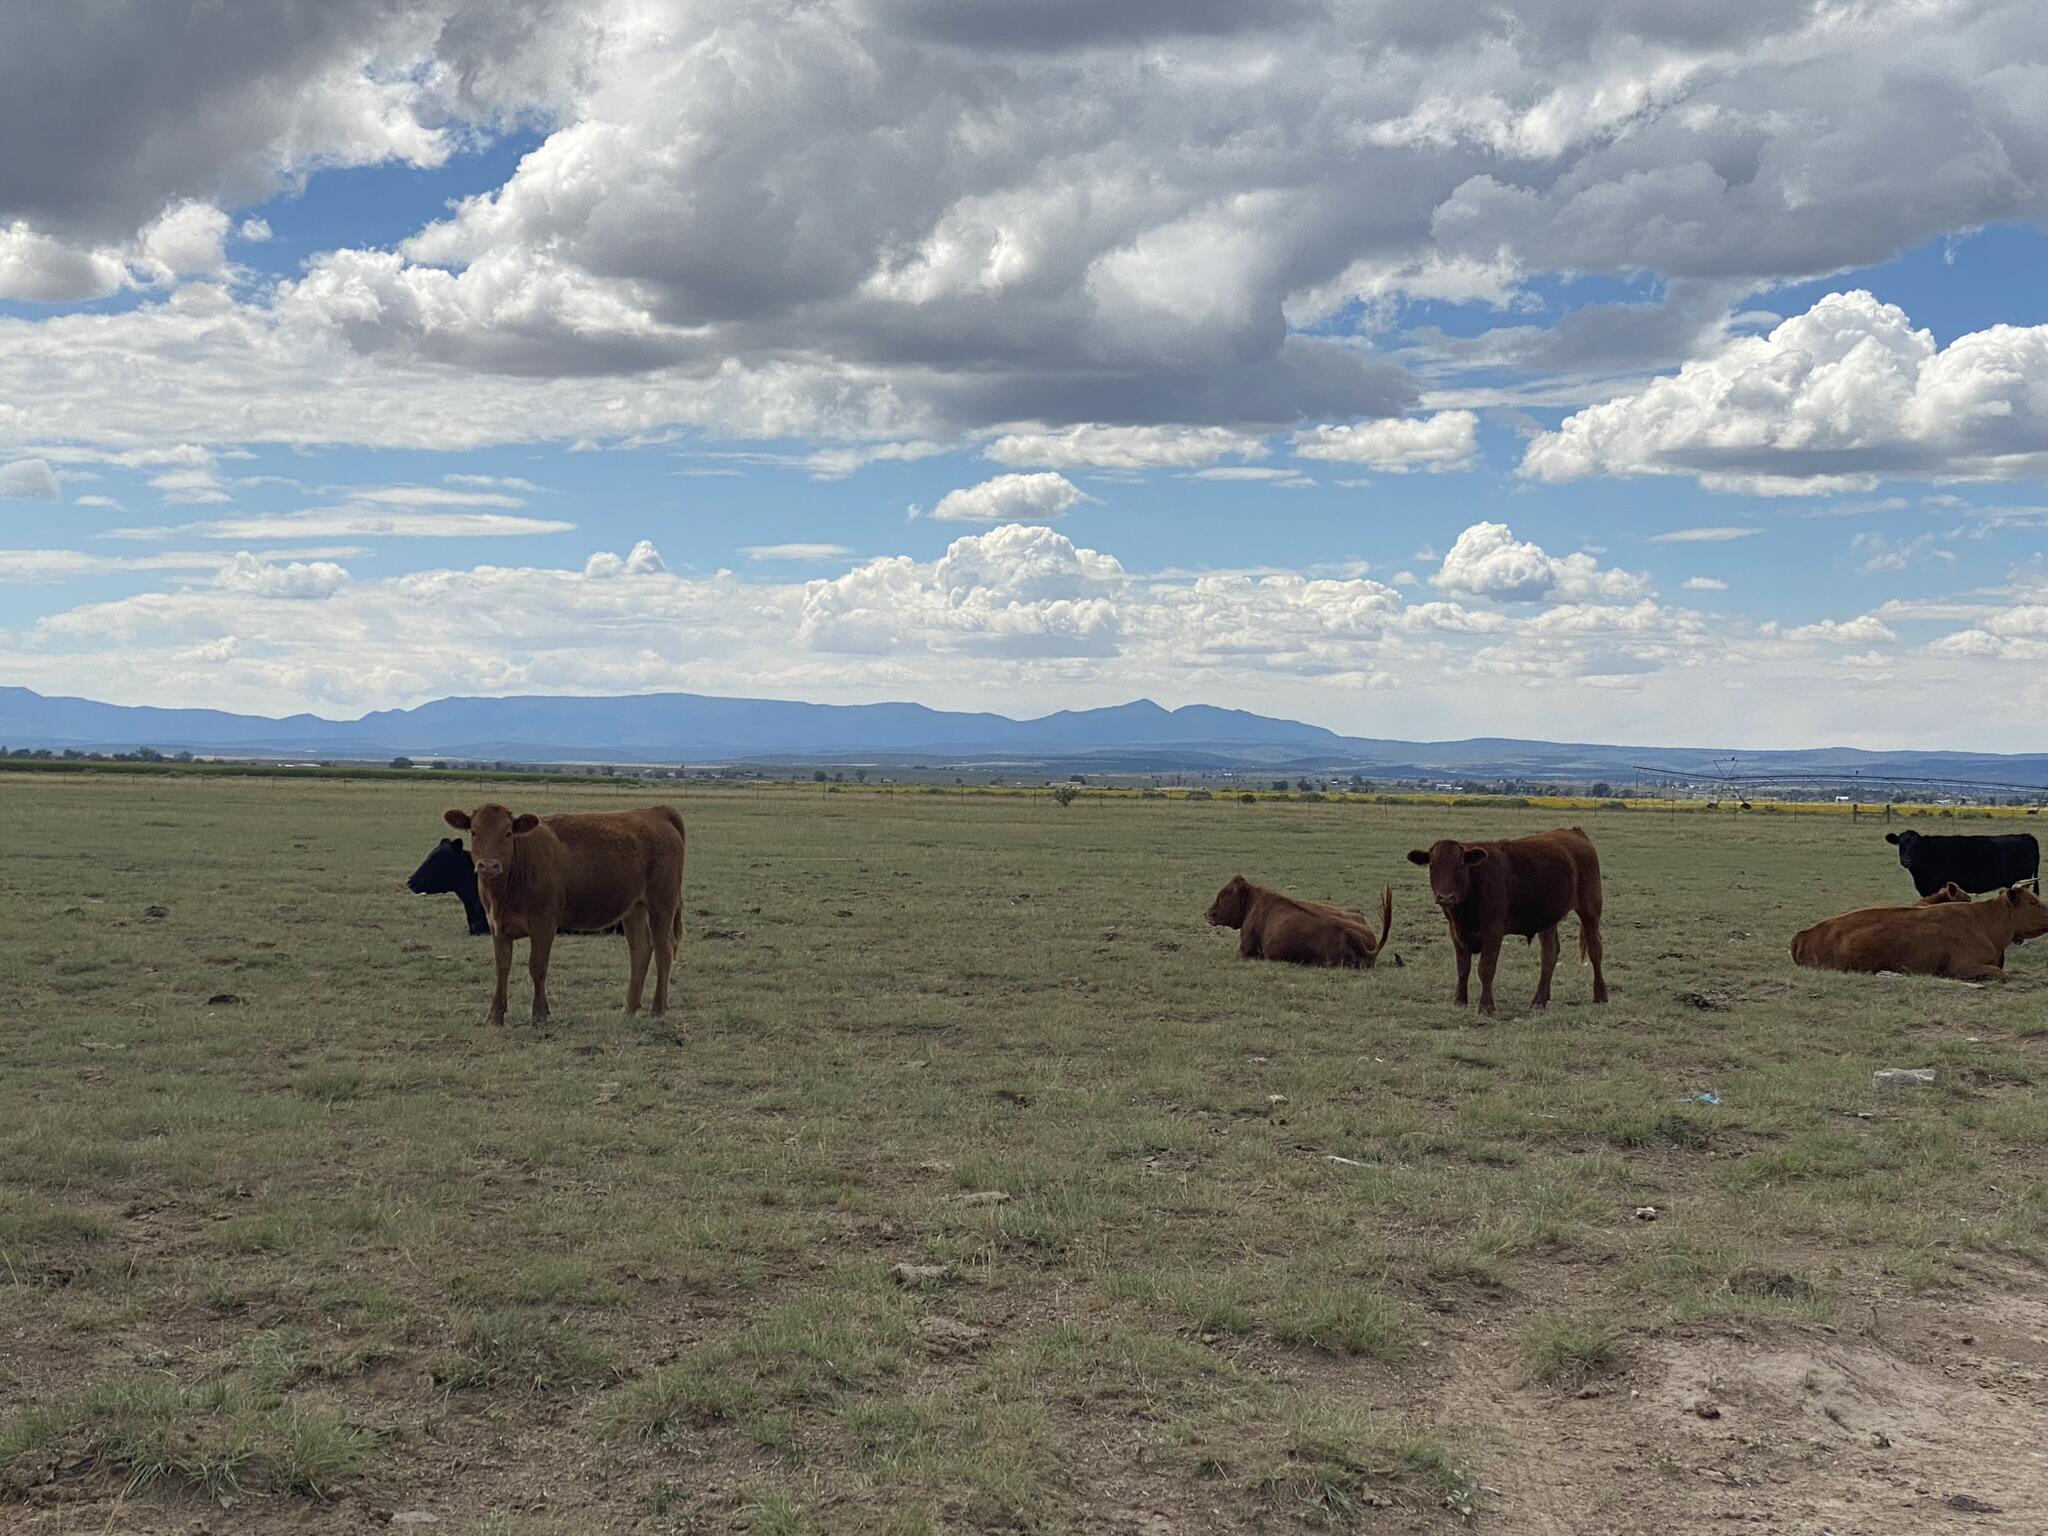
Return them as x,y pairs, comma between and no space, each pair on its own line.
1525,886
543,875
1962,940
1275,927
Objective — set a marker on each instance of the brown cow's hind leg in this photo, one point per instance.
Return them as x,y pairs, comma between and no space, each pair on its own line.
1547,940
1977,973
640,949
663,929
539,942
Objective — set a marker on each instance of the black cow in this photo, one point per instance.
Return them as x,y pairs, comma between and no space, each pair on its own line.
449,868
1977,864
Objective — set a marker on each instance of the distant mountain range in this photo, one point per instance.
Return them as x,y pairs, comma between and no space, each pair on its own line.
698,729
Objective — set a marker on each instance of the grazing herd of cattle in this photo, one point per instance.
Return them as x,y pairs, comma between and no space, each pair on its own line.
534,877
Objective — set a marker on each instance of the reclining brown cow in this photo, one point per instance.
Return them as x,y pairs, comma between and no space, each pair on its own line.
1962,940
542,875
1525,886
1275,927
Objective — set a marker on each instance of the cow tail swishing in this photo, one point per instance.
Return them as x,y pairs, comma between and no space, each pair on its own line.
1590,899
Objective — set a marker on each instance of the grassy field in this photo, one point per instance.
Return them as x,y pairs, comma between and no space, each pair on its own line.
974,1185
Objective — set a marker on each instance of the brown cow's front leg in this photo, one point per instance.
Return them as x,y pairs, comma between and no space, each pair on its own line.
501,949
1547,945
1247,943
1489,957
539,943
1464,969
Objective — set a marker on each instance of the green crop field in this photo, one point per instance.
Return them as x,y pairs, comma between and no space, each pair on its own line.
291,1241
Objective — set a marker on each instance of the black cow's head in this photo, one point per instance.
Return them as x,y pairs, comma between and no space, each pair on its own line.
1231,904
448,868
1450,865
492,829
1905,842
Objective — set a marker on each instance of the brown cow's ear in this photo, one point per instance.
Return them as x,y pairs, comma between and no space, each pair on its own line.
524,824
457,819
1418,856
1475,855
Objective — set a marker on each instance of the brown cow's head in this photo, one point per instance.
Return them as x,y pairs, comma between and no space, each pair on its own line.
2030,914
1941,898
491,829
1450,866
1231,904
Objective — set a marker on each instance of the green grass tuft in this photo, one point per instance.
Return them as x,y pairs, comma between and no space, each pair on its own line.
1568,1352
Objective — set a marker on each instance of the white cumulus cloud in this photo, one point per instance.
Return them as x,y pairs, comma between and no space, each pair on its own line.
1830,400
1445,441
253,577
1011,498
28,480
1128,448
1489,561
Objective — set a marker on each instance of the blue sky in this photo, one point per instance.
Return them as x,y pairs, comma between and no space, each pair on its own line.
1415,380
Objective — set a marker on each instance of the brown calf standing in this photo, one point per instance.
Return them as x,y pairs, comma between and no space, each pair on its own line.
1524,886
541,875
1275,927
1965,941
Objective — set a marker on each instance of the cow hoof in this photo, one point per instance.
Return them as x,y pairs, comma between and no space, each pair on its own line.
494,1021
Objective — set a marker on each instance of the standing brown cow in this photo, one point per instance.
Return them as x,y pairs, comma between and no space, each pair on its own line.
541,875
1524,886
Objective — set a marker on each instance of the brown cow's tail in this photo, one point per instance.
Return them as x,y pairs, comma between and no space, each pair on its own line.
1585,955
1802,947
1386,917
674,819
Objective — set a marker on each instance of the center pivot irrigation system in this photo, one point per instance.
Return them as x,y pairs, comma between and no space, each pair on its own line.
1729,784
